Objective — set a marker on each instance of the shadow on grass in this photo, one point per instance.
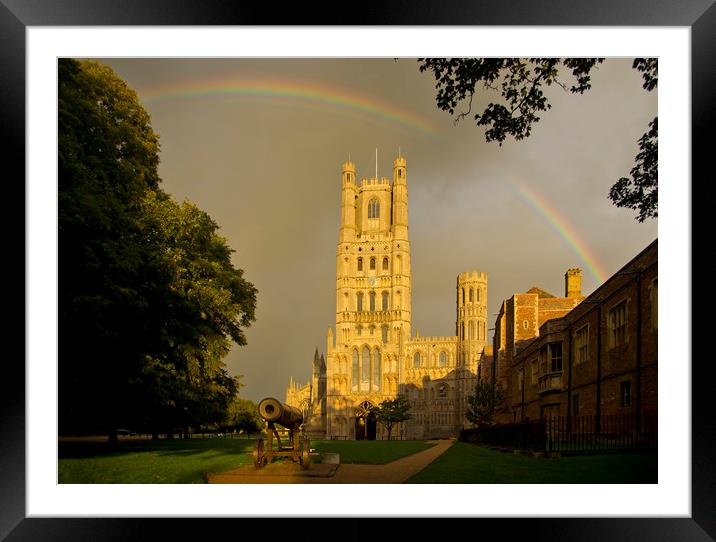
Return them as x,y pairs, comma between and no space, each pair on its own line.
149,462
181,447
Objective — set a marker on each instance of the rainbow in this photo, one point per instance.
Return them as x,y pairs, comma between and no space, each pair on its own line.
300,93
566,231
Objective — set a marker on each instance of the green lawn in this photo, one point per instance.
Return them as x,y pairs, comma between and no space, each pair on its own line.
469,464
150,462
186,461
373,452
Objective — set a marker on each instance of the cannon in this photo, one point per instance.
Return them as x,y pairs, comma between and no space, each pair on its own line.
281,420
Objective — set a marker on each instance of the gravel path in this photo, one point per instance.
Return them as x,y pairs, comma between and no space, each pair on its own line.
395,472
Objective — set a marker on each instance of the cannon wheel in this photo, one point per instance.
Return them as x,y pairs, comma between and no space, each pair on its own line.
259,454
305,454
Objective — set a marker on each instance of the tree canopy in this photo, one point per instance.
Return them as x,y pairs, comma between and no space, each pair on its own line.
520,83
392,411
485,403
149,299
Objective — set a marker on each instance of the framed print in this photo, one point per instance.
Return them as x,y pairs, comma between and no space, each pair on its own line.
37,34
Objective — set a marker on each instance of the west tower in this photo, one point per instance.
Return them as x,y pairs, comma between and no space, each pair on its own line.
373,293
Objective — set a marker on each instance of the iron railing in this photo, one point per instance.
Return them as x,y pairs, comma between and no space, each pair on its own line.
570,434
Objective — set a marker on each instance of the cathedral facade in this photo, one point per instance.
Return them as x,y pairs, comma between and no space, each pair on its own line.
371,353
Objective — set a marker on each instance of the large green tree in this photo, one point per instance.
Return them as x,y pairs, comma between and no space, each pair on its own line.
149,300
520,83
244,416
392,411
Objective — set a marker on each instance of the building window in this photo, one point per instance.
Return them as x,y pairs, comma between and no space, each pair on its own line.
442,390
525,325
365,367
359,330
555,354
384,333
463,296
470,295
372,264
372,301
581,345
478,295
354,382
360,264
376,369
385,264
471,330
617,325
384,302
575,404
373,208
359,303
551,358
442,359
416,359
625,393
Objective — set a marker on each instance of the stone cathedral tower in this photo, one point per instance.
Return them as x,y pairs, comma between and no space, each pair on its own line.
372,356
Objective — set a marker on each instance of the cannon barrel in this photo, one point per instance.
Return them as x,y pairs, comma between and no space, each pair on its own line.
273,410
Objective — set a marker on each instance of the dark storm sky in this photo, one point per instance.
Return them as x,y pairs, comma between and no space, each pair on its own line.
265,164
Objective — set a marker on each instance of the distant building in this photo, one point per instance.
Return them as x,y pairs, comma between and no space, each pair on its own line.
551,355
373,354
310,398
599,359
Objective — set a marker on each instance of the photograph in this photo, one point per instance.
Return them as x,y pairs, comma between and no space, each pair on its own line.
354,272
359,270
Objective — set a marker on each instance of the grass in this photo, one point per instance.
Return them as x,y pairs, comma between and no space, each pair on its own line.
182,461
469,464
370,452
150,462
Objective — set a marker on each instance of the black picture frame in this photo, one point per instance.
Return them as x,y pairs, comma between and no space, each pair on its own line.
17,15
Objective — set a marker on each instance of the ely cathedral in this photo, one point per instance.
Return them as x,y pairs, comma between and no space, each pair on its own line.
372,354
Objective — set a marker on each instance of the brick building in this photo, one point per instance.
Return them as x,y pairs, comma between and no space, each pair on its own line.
519,322
599,359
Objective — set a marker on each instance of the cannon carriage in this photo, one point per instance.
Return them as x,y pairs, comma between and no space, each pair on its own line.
282,421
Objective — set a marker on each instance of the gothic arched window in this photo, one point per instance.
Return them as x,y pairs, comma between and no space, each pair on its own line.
373,208
416,359
384,334
372,301
365,366
385,296
385,264
470,297
372,264
360,264
376,369
359,297
354,382
442,359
